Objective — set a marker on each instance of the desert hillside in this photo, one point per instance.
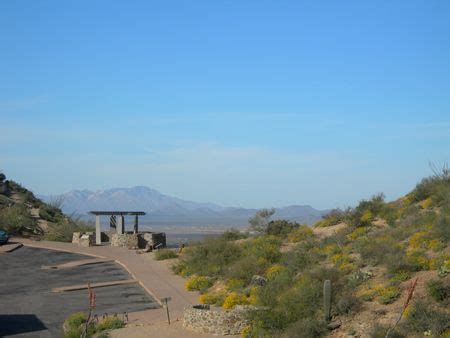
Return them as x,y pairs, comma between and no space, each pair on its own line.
388,263
21,213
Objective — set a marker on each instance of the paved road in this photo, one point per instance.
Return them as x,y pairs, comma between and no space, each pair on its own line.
28,308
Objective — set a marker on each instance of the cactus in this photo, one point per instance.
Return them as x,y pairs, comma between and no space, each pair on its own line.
327,299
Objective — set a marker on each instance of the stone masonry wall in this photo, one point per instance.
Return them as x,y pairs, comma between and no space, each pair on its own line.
216,320
129,241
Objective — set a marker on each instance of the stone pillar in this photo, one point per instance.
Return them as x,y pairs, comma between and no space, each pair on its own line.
98,230
136,224
121,225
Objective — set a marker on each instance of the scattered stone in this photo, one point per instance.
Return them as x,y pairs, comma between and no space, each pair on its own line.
258,280
334,325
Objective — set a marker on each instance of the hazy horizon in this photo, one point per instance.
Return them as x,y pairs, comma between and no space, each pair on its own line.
246,104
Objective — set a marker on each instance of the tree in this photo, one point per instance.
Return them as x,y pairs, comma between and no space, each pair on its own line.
261,219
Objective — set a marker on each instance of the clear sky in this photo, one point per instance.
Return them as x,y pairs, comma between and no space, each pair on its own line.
243,103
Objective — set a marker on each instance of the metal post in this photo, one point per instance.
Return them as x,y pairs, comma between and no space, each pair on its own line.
166,302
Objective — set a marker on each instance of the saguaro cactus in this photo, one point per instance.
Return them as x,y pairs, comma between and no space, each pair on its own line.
327,299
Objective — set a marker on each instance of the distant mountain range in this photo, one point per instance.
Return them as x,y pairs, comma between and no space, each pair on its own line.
164,210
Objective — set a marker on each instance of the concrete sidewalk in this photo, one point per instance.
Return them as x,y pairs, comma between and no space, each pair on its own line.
154,276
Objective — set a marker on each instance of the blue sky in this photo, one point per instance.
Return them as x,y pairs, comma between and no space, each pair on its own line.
246,103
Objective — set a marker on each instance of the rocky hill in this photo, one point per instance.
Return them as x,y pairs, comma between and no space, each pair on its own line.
23,214
387,263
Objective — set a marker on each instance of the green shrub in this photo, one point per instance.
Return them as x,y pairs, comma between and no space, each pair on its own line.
380,250
198,283
281,228
303,232
74,325
244,268
17,218
213,298
5,201
288,301
265,247
233,299
163,254
307,327
63,230
109,323
367,210
233,235
334,217
388,294
211,257
438,290
50,214
75,320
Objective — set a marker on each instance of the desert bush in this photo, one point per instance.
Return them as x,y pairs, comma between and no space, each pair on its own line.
347,303
17,219
163,254
387,294
63,230
213,298
436,187
288,302
301,257
234,284
74,325
441,227
274,270
307,327
265,247
280,228
233,235
244,268
382,250
261,219
333,217
75,320
233,299
380,331
5,201
367,210
438,290
50,214
384,294
303,232
423,317
210,258
198,283
109,323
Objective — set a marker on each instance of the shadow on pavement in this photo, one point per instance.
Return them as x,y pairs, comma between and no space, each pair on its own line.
15,324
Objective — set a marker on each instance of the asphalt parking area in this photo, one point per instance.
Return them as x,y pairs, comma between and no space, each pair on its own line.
28,308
